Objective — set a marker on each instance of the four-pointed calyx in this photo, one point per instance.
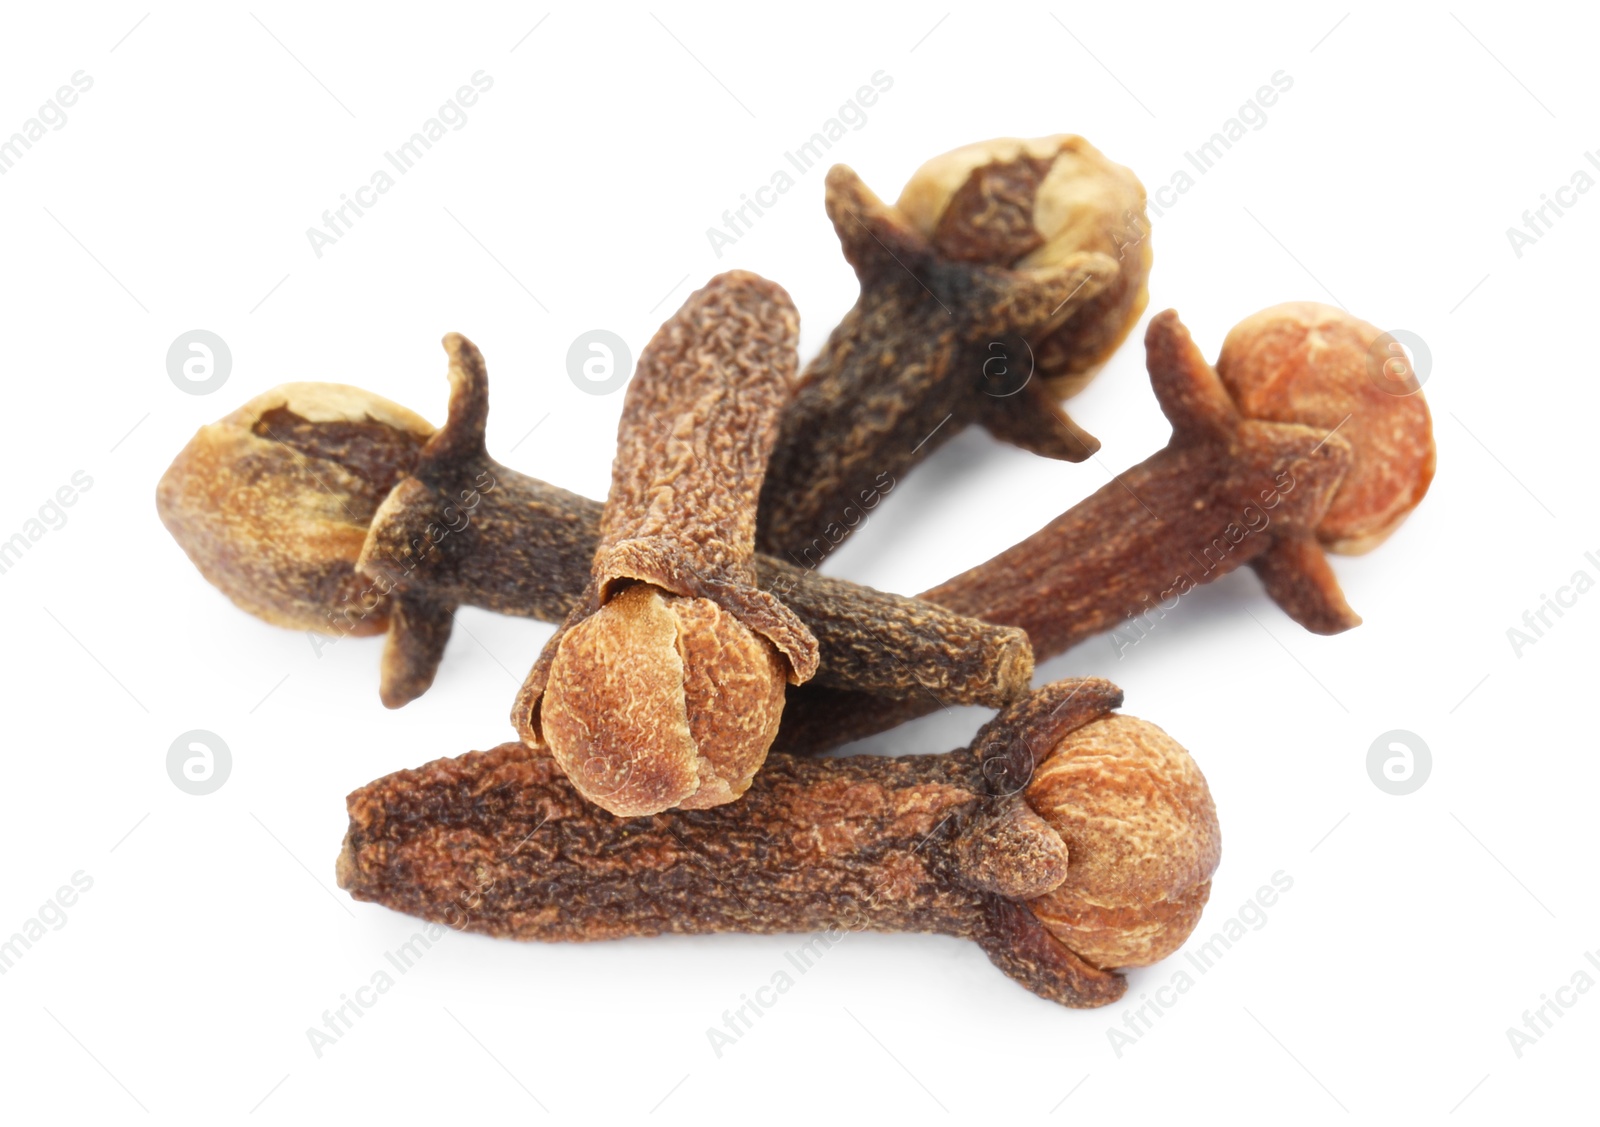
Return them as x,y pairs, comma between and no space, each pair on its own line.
1305,362
1026,204
933,344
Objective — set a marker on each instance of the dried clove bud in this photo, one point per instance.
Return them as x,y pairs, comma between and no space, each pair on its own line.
1308,363
664,687
1003,258
1025,204
1227,490
286,513
273,501
1099,860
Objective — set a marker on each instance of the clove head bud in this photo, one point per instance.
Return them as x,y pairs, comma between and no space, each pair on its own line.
659,700
1304,362
1026,204
1141,837
272,502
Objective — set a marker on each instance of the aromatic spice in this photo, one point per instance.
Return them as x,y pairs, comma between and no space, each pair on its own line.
282,506
273,501
1225,491
1026,204
1099,859
665,685
1002,259
1309,363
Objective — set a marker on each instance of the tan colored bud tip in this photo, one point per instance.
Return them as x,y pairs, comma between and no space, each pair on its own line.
633,714
272,502
1142,841
1304,362
1023,204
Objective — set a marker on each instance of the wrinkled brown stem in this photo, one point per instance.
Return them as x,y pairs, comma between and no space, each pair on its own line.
499,842
933,344
464,530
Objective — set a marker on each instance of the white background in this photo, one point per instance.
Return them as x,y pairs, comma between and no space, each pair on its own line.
577,196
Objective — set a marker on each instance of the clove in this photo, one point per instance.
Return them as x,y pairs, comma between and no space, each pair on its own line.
1003,261
665,685
1095,858
326,508
1227,490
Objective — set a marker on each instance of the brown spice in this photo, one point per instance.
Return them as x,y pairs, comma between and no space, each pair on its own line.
999,261
1310,363
664,687
273,501
1227,490
1026,204
1101,859
282,506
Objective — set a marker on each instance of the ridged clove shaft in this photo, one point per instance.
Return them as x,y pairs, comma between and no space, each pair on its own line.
1226,491
1096,857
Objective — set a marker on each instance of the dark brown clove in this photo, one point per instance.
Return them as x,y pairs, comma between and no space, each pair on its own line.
665,685
1227,490
1026,204
326,508
1098,858
1003,258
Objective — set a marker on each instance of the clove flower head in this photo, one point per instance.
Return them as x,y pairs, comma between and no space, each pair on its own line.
1030,204
665,686
1304,362
272,502
1141,838
634,716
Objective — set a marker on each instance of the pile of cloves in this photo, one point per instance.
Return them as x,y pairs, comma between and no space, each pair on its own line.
666,777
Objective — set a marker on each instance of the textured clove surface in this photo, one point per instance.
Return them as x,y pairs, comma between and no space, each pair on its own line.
665,686
1226,491
282,506
272,502
499,842
1310,363
932,344
1027,204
